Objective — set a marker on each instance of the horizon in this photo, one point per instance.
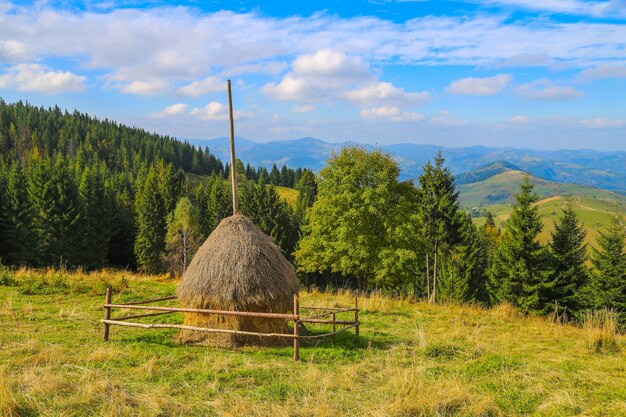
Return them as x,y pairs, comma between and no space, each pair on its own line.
455,74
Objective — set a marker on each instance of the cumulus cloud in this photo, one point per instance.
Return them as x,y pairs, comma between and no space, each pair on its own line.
479,86
147,88
12,51
442,118
174,109
41,79
199,88
218,111
597,8
604,70
393,113
318,76
546,90
383,92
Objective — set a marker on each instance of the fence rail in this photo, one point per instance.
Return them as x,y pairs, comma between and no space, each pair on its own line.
296,318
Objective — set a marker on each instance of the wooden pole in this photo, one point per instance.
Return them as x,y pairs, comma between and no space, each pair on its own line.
356,315
296,328
334,326
107,313
233,164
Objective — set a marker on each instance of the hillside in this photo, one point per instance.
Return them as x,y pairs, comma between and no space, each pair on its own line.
412,359
501,188
587,167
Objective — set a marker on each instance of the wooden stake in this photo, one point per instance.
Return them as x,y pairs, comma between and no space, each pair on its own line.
296,328
107,313
356,315
233,164
334,326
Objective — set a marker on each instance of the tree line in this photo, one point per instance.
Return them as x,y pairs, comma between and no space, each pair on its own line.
78,191
413,237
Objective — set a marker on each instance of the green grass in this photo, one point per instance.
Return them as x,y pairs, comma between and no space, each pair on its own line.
501,188
412,359
595,214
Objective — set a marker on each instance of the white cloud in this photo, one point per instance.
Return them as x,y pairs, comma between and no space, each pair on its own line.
272,68
13,51
546,90
603,123
199,88
174,109
145,87
605,70
383,92
392,113
519,119
218,111
303,109
479,86
41,79
610,8
318,76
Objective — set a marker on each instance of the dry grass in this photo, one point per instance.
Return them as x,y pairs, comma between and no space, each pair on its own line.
413,359
601,330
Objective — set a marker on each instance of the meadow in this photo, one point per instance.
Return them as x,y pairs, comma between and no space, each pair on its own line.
412,359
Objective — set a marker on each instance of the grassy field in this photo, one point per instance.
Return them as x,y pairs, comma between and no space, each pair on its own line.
593,213
412,359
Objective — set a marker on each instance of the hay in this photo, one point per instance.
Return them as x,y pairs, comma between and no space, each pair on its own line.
237,268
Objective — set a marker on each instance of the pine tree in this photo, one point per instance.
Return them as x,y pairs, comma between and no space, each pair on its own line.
609,268
151,224
568,273
439,211
275,175
519,266
58,223
307,191
97,212
183,236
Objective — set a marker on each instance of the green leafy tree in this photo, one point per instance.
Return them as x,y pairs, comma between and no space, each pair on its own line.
568,273
183,236
519,266
609,268
307,192
439,211
348,225
151,224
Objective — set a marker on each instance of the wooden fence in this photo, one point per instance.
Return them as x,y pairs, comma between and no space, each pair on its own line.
316,315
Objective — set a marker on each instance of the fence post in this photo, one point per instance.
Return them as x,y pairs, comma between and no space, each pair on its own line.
356,314
107,313
296,328
334,327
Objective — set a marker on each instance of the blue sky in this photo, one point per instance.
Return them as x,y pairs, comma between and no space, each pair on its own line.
544,74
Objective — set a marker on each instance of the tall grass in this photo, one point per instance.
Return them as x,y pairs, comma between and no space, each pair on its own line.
601,330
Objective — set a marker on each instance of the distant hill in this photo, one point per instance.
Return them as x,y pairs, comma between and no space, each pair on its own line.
501,188
485,172
587,167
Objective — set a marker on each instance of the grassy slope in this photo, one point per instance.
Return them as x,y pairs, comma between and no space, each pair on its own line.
412,360
502,188
594,214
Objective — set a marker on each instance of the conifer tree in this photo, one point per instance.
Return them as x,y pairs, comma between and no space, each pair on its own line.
307,191
519,265
151,224
58,223
219,204
609,268
183,236
275,175
568,273
438,205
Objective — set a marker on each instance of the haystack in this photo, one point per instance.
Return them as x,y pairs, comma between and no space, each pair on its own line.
237,268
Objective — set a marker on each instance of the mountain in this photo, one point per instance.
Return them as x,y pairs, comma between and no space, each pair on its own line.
587,167
485,172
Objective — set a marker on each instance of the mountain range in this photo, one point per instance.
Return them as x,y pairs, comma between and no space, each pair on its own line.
605,170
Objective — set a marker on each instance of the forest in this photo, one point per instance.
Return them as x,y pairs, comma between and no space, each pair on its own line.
78,192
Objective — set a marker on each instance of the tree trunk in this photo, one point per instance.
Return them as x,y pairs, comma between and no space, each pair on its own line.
427,277
435,275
